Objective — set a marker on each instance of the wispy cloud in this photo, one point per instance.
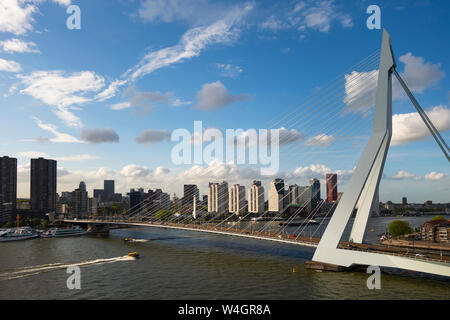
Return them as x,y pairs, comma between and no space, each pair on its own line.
18,46
59,136
9,66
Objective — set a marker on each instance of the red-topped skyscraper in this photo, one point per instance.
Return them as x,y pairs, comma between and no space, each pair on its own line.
332,191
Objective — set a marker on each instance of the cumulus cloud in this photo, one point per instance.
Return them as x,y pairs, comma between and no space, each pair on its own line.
133,170
317,170
410,127
151,136
16,16
73,158
17,46
9,66
215,95
62,92
401,175
419,75
96,136
435,176
32,154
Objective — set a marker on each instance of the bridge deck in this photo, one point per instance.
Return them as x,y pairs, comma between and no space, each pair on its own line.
271,236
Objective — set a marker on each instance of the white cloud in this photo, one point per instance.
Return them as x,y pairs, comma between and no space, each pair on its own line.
62,92
59,137
133,170
111,91
194,12
435,176
9,66
317,171
192,43
120,106
303,16
410,127
229,70
17,45
214,95
32,154
321,140
360,87
420,75
16,16
77,158
401,175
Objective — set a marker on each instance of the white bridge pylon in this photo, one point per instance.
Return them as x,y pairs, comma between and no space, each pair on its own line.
364,184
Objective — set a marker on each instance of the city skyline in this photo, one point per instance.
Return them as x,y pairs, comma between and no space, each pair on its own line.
116,123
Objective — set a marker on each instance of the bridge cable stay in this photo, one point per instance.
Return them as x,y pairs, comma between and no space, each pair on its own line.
319,90
436,135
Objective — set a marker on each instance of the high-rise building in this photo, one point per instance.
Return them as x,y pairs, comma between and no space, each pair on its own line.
190,190
93,205
99,195
80,201
404,201
43,185
315,189
294,195
256,198
108,188
218,197
136,199
8,188
332,189
237,199
276,195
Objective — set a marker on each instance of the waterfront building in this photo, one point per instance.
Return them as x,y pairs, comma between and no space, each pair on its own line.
190,190
294,194
218,197
315,190
332,189
136,198
276,195
43,185
80,201
404,201
93,205
256,198
237,199
8,188
436,231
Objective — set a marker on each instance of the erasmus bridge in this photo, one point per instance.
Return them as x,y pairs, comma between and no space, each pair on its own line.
331,249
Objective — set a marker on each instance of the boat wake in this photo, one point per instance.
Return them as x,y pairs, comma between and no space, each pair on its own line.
34,270
137,240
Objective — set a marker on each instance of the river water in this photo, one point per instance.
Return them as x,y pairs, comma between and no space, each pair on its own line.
188,265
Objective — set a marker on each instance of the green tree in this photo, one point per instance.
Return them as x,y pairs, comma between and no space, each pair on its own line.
45,224
399,228
163,214
437,218
10,224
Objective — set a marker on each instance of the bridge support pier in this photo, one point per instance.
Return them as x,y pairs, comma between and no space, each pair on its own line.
98,228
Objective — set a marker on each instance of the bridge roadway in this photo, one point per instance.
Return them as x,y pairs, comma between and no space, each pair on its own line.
275,237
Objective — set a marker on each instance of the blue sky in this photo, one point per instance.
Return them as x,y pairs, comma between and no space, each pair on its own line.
143,68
